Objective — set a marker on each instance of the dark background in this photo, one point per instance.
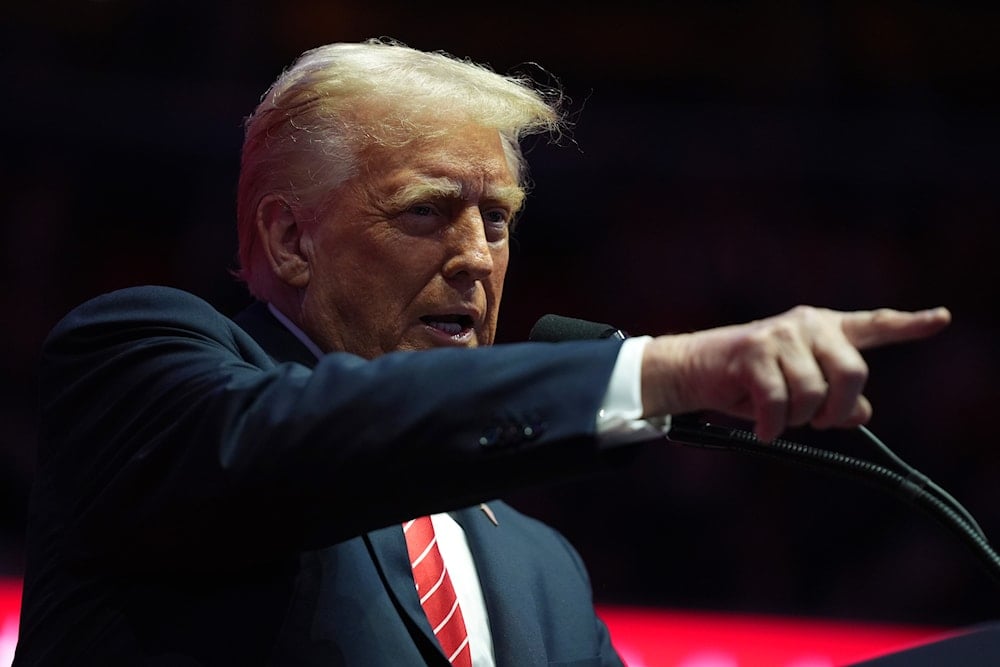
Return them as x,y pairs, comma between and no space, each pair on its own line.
728,161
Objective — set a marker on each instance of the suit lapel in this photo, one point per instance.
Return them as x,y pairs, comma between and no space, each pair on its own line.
517,641
388,550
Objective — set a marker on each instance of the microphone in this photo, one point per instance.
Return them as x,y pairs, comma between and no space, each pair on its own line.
555,328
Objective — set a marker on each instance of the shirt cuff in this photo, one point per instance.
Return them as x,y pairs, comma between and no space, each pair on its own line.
619,421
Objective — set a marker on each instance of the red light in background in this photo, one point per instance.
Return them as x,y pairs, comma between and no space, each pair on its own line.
10,608
662,638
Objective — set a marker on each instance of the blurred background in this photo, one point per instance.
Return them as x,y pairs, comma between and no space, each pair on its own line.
728,160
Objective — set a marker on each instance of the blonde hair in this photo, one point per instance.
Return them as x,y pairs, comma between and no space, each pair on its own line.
305,137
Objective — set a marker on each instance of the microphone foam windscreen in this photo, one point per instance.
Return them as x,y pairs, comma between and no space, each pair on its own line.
555,328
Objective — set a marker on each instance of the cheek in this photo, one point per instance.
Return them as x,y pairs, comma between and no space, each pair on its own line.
494,292
500,260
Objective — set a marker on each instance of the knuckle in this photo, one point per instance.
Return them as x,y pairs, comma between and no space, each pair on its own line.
751,344
808,315
770,337
814,393
882,315
854,372
803,311
785,330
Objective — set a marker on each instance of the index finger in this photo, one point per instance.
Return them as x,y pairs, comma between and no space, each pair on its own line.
866,329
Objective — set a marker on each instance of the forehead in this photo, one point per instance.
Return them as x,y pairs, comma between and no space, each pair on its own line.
473,157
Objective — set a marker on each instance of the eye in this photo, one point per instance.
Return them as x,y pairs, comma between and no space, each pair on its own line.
496,217
422,210
496,221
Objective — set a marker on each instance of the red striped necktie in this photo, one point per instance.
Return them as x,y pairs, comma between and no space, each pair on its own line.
437,595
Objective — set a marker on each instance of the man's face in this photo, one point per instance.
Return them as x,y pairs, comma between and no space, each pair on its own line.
413,251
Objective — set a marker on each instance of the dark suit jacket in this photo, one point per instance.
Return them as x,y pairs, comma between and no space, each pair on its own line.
209,494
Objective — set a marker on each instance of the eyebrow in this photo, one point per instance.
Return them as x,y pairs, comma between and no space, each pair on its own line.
511,196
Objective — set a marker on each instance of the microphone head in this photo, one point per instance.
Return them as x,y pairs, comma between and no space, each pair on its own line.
556,328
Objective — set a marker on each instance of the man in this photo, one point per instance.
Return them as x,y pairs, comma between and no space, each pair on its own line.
218,492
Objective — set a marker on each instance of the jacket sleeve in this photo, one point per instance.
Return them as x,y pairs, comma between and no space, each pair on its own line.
167,433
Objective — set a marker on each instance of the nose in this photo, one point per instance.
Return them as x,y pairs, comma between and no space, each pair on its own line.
469,253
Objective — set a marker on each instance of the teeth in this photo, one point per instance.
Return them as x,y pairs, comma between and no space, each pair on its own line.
450,328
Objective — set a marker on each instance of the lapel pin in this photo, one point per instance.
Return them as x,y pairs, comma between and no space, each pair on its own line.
489,513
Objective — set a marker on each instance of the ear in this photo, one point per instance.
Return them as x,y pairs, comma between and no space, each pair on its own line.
280,234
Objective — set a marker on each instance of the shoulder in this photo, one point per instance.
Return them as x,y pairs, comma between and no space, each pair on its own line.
134,322
144,312
137,304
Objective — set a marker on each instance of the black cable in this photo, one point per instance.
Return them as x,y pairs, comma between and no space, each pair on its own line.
922,479
910,485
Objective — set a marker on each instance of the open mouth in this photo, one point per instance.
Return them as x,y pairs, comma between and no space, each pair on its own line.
449,324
